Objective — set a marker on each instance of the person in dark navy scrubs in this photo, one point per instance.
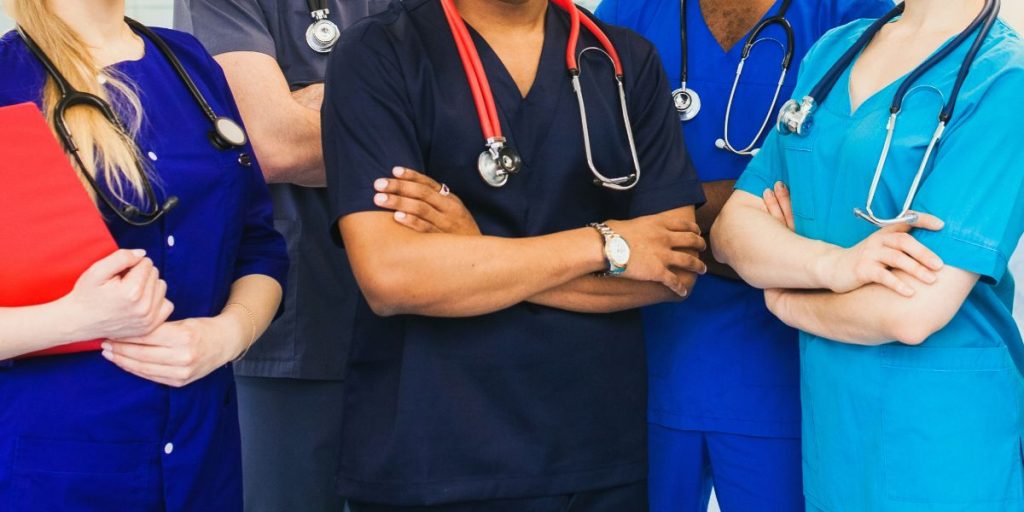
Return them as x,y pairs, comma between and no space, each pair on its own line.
492,370
149,423
724,372
291,383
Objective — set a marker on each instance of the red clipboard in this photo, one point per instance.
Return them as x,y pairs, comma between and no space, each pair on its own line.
50,229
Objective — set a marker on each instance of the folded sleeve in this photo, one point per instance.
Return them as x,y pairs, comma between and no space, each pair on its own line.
367,126
976,185
668,178
226,25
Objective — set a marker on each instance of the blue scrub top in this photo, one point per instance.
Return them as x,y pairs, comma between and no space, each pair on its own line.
78,433
934,427
720,361
530,400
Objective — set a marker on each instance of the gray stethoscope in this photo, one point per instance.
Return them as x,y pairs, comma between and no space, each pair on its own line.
797,117
322,34
687,101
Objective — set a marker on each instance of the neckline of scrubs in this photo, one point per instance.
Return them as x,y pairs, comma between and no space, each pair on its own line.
543,96
847,109
736,47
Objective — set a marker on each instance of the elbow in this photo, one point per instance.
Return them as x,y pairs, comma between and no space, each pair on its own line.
277,163
914,327
383,295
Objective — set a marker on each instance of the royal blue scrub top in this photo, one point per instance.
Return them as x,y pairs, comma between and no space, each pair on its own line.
720,361
527,401
78,433
934,427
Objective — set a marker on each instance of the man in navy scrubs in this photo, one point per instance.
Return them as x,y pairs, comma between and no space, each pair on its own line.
491,369
724,373
290,384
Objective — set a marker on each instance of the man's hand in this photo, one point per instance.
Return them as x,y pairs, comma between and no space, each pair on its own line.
422,204
663,249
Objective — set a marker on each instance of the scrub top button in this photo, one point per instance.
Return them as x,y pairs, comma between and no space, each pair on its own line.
152,156
169,448
170,241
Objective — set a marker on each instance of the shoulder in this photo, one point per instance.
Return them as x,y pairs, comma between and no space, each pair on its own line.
631,46
388,40
631,13
834,42
21,74
997,75
186,48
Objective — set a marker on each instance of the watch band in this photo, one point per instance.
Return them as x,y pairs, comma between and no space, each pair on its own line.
607,233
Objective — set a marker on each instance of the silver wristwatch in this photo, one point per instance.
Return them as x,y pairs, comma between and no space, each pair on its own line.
616,249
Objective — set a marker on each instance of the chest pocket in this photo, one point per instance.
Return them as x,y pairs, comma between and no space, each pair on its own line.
799,175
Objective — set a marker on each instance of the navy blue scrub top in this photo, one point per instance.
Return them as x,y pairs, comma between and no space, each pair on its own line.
311,339
720,361
530,400
77,432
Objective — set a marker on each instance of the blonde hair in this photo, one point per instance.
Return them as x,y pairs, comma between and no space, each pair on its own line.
104,148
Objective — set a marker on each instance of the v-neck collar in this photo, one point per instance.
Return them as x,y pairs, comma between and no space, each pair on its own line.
529,117
847,80
706,29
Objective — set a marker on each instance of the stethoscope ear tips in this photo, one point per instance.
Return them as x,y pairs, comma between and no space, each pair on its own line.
720,143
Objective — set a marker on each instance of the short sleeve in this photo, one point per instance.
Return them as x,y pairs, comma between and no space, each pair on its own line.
226,25
367,127
976,185
668,179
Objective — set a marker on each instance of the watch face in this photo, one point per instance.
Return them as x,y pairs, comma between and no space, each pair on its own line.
618,251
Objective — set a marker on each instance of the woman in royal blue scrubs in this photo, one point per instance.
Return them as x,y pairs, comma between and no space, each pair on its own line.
724,398
911,397
150,423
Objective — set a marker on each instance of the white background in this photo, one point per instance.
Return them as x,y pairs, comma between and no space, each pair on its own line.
158,12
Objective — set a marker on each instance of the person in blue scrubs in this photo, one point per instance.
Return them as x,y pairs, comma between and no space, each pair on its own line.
724,396
911,397
149,423
493,370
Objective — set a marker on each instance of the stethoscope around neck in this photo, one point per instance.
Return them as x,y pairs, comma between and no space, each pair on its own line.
225,134
499,161
796,118
687,101
322,34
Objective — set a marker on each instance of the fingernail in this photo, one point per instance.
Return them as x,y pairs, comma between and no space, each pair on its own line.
380,198
398,171
138,252
106,346
682,293
380,184
107,355
400,215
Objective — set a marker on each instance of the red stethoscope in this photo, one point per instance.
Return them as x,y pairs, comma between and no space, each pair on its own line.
499,161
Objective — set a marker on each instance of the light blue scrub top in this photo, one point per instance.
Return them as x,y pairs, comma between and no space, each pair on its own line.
934,427
720,361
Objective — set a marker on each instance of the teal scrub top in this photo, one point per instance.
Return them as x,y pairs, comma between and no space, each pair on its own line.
938,426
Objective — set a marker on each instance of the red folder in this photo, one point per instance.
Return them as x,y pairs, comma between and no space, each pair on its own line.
50,229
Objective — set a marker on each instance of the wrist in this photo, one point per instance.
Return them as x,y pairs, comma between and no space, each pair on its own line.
592,251
74,324
237,327
823,266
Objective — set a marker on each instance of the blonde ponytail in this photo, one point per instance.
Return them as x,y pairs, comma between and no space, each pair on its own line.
105,149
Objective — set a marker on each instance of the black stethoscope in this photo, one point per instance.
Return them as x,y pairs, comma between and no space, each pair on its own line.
687,101
226,133
499,161
322,34
796,118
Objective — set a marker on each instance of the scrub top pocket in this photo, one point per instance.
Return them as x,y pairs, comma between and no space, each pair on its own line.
48,475
951,428
799,177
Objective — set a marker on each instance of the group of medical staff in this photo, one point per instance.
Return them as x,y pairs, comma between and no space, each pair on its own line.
493,255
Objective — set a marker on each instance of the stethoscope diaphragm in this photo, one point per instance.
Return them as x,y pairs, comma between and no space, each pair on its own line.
322,34
687,103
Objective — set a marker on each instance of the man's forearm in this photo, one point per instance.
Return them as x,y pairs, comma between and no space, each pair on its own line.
590,294
404,272
716,193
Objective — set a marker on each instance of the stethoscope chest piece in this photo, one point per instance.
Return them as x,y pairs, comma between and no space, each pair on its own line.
227,134
323,33
497,163
687,103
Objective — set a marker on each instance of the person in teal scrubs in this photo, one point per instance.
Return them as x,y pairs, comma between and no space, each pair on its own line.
912,395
